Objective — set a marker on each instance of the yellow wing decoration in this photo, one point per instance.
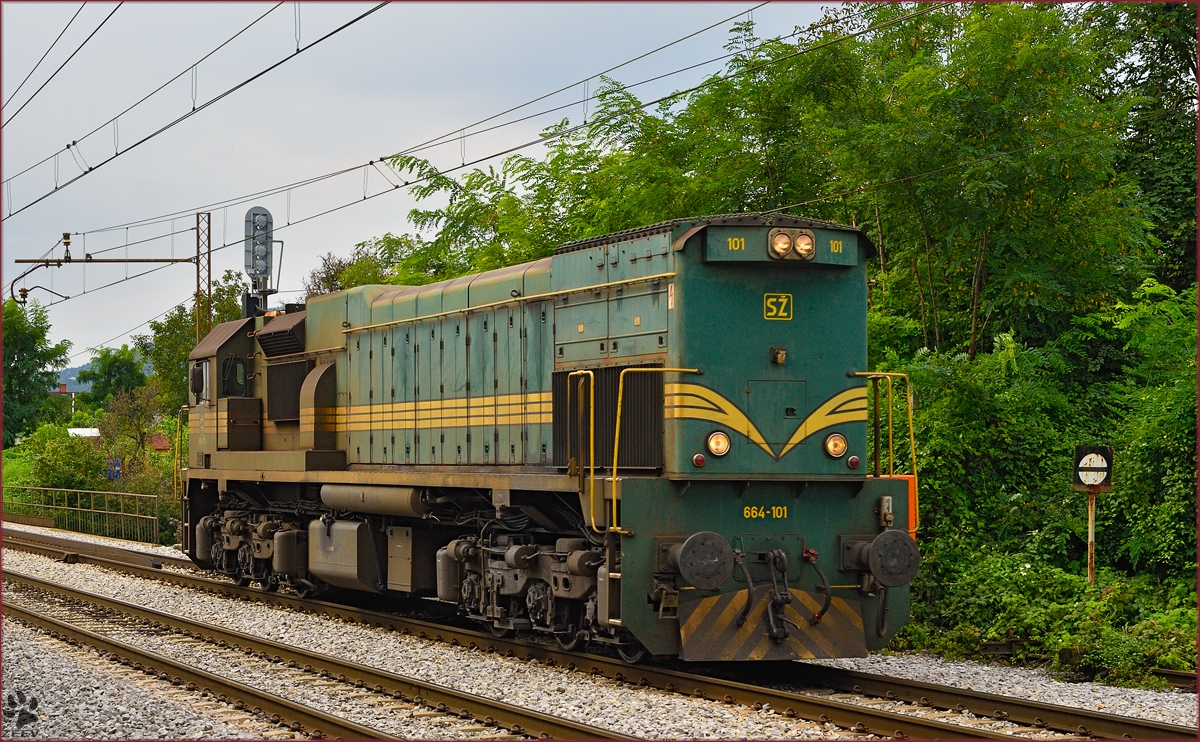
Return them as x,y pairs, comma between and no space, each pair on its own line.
695,402
844,407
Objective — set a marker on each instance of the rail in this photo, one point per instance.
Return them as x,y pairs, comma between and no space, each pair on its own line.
874,377
462,703
116,515
1059,718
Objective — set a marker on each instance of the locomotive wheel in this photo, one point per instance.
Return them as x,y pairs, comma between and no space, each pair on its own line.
500,633
269,585
633,653
241,579
570,640
304,592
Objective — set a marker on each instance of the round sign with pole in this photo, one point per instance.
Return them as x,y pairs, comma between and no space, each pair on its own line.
1093,473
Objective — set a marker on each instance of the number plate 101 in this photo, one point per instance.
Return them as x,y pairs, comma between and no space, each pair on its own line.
760,511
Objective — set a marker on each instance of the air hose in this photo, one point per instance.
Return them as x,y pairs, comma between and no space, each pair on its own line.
749,591
810,556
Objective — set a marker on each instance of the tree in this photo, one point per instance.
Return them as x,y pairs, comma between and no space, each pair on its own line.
30,360
327,278
390,259
113,370
172,338
130,420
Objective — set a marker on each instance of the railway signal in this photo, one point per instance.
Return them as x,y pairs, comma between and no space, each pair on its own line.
260,264
1093,473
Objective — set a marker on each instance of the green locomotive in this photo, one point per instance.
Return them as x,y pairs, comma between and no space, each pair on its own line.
655,439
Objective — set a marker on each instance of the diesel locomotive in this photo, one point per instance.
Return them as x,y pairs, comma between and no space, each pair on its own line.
659,440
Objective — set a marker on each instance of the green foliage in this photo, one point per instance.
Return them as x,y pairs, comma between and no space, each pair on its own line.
17,466
70,463
29,362
172,338
390,259
113,370
129,422
1116,630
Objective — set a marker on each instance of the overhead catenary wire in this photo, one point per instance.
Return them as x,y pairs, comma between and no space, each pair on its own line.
189,69
60,67
994,156
458,133
196,110
39,62
510,150
123,334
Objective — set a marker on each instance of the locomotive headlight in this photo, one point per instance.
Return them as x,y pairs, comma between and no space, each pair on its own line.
781,244
718,443
835,445
805,247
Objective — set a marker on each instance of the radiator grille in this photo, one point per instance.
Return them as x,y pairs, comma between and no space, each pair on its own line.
283,389
641,419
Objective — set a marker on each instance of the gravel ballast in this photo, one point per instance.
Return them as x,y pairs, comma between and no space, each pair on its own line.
73,693
641,712
596,701
1173,707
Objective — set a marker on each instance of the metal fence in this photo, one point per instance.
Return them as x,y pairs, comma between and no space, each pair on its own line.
126,515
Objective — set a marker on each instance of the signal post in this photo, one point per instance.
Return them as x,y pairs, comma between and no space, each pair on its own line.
1093,473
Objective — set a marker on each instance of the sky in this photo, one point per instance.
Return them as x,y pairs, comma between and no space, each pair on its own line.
405,74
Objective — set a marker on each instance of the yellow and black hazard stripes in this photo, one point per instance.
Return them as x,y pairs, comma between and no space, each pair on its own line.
457,412
708,629
690,401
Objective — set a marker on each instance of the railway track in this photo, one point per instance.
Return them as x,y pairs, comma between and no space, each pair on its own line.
302,717
926,714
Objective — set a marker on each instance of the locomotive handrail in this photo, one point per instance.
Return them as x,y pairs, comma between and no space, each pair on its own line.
591,438
177,464
513,300
617,433
912,439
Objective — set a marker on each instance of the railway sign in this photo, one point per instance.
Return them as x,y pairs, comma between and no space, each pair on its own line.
1093,469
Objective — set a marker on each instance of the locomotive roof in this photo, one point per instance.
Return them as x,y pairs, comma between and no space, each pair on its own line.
754,219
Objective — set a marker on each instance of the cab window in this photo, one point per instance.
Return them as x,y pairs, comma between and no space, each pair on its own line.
233,377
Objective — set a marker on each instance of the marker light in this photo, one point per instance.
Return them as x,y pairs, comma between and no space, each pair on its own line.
698,460
781,244
835,445
718,443
805,247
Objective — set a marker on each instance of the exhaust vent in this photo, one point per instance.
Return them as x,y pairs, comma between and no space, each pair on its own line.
283,335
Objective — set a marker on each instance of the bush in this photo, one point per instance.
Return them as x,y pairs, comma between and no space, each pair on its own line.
70,463
1115,630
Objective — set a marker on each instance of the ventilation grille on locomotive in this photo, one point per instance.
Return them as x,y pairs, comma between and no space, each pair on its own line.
283,389
283,335
641,419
